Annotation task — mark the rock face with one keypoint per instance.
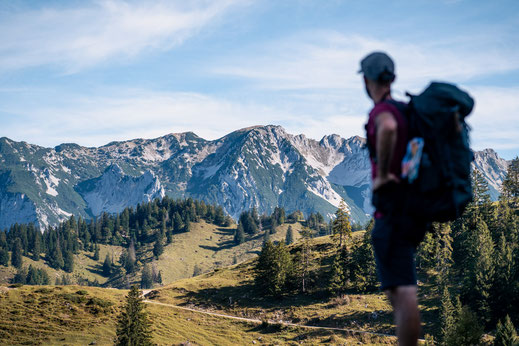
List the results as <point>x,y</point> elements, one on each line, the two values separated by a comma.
<point>16,208</point>
<point>260,167</point>
<point>493,169</point>
<point>113,190</point>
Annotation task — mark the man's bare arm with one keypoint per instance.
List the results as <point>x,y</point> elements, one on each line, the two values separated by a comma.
<point>386,126</point>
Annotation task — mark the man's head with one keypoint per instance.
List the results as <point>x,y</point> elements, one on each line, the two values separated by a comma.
<point>379,72</point>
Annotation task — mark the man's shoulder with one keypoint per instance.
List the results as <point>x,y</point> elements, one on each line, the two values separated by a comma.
<point>390,106</point>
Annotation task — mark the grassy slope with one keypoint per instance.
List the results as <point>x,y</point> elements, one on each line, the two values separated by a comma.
<point>209,247</point>
<point>232,291</point>
<point>74,315</point>
<point>52,317</point>
<point>84,266</point>
<point>59,315</point>
<point>206,245</point>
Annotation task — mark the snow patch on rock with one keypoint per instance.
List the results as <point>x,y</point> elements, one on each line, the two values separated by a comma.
<point>114,190</point>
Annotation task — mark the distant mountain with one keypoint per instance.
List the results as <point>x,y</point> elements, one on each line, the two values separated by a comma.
<point>261,166</point>
<point>493,169</point>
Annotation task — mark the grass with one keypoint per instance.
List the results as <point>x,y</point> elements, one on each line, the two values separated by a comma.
<point>79,315</point>
<point>208,247</point>
<point>232,291</point>
<point>58,315</point>
<point>75,315</point>
<point>84,266</point>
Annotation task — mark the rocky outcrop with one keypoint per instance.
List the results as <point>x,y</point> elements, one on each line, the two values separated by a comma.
<point>114,190</point>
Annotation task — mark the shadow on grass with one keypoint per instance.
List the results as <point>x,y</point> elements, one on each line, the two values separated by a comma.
<point>302,333</point>
<point>222,246</point>
<point>95,269</point>
<point>225,231</point>
<point>244,296</point>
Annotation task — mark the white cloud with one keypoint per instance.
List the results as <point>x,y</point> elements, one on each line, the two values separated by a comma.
<point>330,60</point>
<point>80,37</point>
<point>495,118</point>
<point>318,71</point>
<point>98,120</point>
<point>139,114</point>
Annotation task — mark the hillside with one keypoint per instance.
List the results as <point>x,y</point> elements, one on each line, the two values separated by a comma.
<point>206,246</point>
<point>85,267</point>
<point>74,315</point>
<point>66,314</point>
<point>232,291</point>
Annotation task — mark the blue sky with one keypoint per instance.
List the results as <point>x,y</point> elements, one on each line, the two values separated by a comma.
<point>95,72</point>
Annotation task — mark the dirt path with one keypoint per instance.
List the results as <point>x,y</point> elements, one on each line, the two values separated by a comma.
<point>251,320</point>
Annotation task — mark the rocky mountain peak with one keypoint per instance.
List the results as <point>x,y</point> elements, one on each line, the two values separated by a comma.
<point>258,166</point>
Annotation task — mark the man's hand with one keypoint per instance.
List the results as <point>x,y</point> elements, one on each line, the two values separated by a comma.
<point>383,180</point>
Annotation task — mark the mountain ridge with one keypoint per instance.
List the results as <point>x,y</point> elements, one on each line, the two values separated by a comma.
<point>257,166</point>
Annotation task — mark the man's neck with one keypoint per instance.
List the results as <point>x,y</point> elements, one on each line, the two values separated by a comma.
<point>381,94</point>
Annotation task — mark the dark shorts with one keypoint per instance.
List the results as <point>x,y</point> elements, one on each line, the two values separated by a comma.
<point>394,256</point>
<point>395,237</point>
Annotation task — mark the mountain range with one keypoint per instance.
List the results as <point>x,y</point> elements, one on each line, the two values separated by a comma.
<point>260,166</point>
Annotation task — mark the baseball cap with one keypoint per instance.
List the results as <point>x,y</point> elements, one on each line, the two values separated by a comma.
<point>378,66</point>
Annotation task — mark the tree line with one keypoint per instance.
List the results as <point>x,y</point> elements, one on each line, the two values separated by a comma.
<point>281,270</point>
<point>250,223</point>
<point>148,223</point>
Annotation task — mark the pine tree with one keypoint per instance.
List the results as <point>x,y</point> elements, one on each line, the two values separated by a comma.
<point>32,277</point>
<point>506,335</point>
<point>273,269</point>
<point>339,274</point>
<point>130,259</point>
<point>362,268</point>
<point>56,257</point>
<point>480,189</point>
<point>303,261</point>
<point>146,277</point>
<point>480,273</point>
<point>510,186</point>
<point>16,255</point>
<point>133,327</point>
<point>158,247</point>
<point>426,256</point>
<point>187,224</point>
<point>107,266</point>
<point>467,331</point>
<point>342,225</point>
<point>68,262</point>
<point>21,276</point>
<point>266,236</point>
<point>239,235</point>
<point>502,293</point>
<point>4,257</point>
<point>273,226</point>
<point>96,253</point>
<point>178,223</point>
<point>289,239</point>
<point>447,316</point>
<point>444,262</point>
<point>36,250</point>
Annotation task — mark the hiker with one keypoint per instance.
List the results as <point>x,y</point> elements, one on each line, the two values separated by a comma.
<point>395,234</point>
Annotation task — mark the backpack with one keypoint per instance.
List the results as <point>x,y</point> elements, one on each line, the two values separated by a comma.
<point>442,188</point>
